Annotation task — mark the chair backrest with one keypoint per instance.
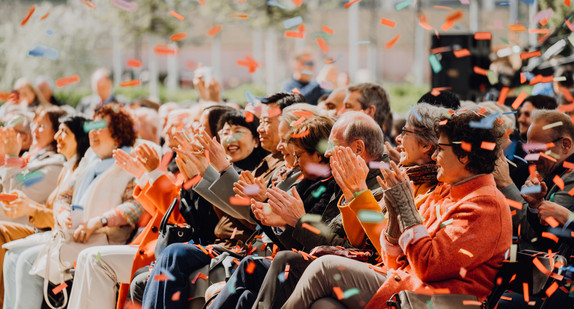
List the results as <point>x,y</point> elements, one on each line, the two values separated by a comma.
<point>502,282</point>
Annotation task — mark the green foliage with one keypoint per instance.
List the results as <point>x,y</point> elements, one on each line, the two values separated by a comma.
<point>403,95</point>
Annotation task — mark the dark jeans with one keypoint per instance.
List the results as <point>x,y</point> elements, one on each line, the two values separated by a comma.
<point>246,285</point>
<point>178,261</point>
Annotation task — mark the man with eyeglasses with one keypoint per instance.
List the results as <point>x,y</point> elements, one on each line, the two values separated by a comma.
<point>302,78</point>
<point>551,136</point>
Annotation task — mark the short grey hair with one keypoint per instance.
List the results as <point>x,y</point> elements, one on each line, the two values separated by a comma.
<point>424,118</point>
<point>359,126</point>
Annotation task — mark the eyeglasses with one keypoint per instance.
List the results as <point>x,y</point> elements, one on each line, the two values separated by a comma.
<point>438,149</point>
<point>549,145</point>
<point>405,130</point>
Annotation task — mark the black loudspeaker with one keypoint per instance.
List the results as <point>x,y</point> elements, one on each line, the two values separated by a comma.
<point>458,73</point>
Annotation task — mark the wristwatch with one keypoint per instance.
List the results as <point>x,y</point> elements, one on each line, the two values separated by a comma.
<point>104,221</point>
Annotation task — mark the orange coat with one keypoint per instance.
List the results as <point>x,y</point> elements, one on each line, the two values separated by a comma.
<point>458,249</point>
<point>155,199</point>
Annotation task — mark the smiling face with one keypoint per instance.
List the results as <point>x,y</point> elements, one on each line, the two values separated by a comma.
<point>285,148</point>
<point>238,141</point>
<point>524,119</point>
<point>42,132</point>
<point>101,141</point>
<point>66,140</point>
<point>412,151</point>
<point>451,169</point>
<point>268,127</point>
<point>303,158</point>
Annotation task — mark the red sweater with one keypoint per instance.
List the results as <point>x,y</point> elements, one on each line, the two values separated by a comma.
<point>466,232</point>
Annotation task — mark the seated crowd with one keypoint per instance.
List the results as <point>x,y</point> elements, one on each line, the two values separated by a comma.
<point>280,204</point>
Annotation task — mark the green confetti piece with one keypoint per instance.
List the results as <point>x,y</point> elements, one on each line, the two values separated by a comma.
<point>571,216</point>
<point>369,216</point>
<point>403,4</point>
<point>317,193</point>
<point>505,41</point>
<point>322,146</point>
<point>350,293</point>
<point>321,35</point>
<point>94,125</point>
<point>446,222</point>
<point>429,304</point>
<point>231,285</point>
<point>98,256</point>
<point>435,64</point>
<point>559,78</point>
<point>492,77</point>
<point>23,177</point>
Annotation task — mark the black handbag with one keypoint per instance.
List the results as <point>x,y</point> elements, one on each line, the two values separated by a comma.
<point>171,233</point>
<point>412,300</point>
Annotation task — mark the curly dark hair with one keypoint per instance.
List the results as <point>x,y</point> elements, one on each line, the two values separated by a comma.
<point>319,128</point>
<point>121,124</point>
<point>457,129</point>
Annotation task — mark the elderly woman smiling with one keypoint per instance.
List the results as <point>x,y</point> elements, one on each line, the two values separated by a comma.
<point>444,244</point>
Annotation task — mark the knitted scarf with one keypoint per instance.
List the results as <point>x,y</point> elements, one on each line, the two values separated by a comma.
<point>425,173</point>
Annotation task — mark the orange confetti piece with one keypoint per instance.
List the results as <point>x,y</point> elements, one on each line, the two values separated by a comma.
<point>392,42</point>
<point>177,37</point>
<point>348,4</point>
<point>466,146</point>
<point>239,201</point>
<point>133,63</point>
<point>161,49</point>
<point>214,30</point>
<point>327,30</point>
<point>323,45</point>
<point>295,90</point>
<point>301,113</point>
<point>248,117</point>
<point>388,22</point>
<point>462,272</point>
<point>567,3</point>
<point>552,222</point>
<point>465,252</point>
<point>487,145</point>
<point>483,36</point>
<point>468,302</point>
<point>59,288</point>
<point>551,289</point>
<point>461,53</point>
<point>447,25</point>
<point>175,296</point>
<point>242,16</point>
<point>64,81</point>
<point>298,122</point>
<point>131,83</point>
<point>201,2</point>
<point>532,54</point>
<point>532,171</point>
<point>503,93</point>
<point>440,7</point>
<point>27,18</point>
<point>443,122</point>
<point>550,236</point>
<point>297,2</point>
<point>559,182</point>
<point>4,96</point>
<point>160,277</point>
<point>514,204</point>
<point>249,63</point>
<point>519,100</point>
<point>7,197</point>
<point>456,15</point>
<point>45,16</point>
<point>300,135</point>
<point>479,71</point>
<point>198,276</point>
<point>250,267</point>
<point>542,154</point>
<point>568,165</point>
<point>506,298</point>
<point>338,292</point>
<point>539,31</point>
<point>423,22</point>
<point>174,14</point>
<point>311,228</point>
<point>517,28</point>
<point>526,291</point>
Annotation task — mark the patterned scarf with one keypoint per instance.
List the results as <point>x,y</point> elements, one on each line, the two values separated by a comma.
<point>425,173</point>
